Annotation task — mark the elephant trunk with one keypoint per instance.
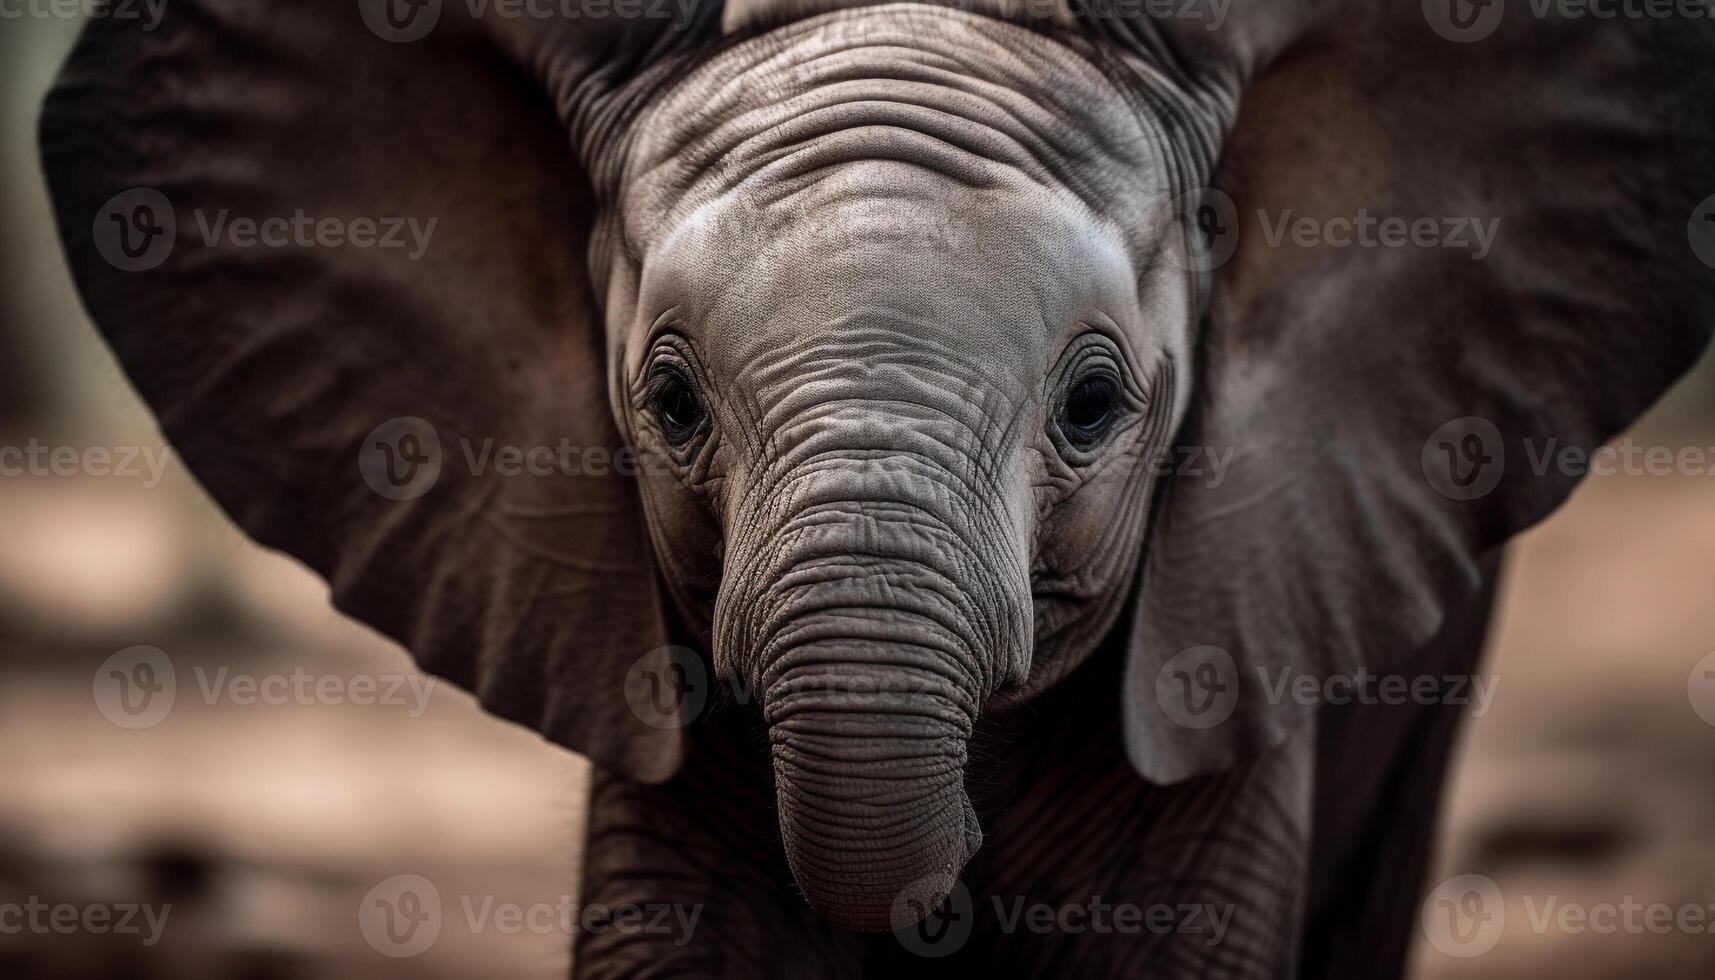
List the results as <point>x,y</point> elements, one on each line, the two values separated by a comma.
<point>874,633</point>
<point>869,772</point>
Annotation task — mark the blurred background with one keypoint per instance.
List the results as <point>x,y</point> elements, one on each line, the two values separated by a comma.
<point>268,826</point>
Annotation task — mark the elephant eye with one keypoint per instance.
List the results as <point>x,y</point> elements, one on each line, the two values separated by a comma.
<point>1089,410</point>
<point>677,407</point>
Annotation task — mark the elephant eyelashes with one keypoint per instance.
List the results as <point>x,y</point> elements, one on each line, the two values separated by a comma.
<point>1089,411</point>
<point>677,407</point>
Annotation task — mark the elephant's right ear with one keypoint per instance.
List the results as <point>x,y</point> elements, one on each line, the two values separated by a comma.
<point>340,250</point>
<point>1469,243</point>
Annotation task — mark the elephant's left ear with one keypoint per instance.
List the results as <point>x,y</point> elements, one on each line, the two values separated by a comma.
<point>1467,244</point>
<point>340,248</point>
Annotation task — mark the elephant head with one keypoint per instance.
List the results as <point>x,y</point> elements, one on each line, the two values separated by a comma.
<point>901,311</point>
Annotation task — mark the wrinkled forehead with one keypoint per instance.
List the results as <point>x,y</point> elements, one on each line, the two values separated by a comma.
<point>979,181</point>
<point>884,249</point>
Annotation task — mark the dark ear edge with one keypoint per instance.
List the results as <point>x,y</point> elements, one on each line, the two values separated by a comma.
<point>281,375</point>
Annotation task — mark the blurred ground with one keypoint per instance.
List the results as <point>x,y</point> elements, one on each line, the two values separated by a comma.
<point>1588,784</point>
<point>269,826</point>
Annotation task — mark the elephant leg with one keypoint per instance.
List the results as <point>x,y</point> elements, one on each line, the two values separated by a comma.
<point>1089,871</point>
<point>1380,774</point>
<point>704,849</point>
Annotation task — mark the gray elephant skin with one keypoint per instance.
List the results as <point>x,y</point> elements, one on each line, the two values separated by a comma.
<point>982,442</point>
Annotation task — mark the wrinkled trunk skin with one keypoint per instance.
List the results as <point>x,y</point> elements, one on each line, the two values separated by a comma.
<point>872,800</point>
<point>874,632</point>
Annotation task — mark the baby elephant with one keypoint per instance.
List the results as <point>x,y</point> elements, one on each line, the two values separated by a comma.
<point>962,473</point>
